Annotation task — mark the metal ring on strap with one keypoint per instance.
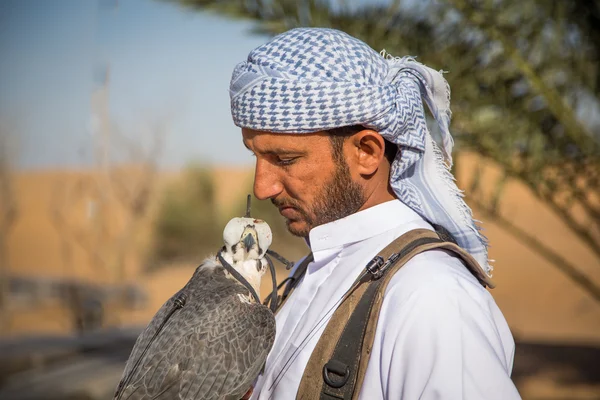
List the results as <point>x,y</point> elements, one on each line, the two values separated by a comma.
<point>338,368</point>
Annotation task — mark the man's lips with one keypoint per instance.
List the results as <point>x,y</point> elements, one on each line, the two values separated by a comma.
<point>288,211</point>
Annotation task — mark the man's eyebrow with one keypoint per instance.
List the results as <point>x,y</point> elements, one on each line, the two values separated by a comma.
<point>281,150</point>
<point>275,150</point>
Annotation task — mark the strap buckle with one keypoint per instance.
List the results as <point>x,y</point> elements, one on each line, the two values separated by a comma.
<point>373,267</point>
<point>377,266</point>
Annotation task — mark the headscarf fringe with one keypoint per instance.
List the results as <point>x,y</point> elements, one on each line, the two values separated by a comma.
<point>457,195</point>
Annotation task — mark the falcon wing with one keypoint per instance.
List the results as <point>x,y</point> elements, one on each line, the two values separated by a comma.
<point>215,357</point>
<point>146,337</point>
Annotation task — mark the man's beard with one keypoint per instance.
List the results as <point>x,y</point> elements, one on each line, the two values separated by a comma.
<point>340,197</point>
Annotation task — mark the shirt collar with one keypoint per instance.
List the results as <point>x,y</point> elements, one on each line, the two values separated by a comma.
<point>360,226</point>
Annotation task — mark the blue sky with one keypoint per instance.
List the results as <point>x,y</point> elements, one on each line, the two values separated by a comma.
<point>167,66</point>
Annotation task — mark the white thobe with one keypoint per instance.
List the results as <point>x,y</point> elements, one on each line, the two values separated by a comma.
<point>440,335</point>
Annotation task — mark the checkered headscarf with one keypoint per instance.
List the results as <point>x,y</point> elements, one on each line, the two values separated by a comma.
<point>314,79</point>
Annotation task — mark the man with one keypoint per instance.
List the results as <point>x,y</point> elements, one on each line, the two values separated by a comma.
<point>343,150</point>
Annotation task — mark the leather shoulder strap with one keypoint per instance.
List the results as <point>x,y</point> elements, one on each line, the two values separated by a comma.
<point>338,363</point>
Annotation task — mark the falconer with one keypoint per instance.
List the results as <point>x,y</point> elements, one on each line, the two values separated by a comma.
<point>343,151</point>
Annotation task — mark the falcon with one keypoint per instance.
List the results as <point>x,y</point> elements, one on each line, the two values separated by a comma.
<point>211,339</point>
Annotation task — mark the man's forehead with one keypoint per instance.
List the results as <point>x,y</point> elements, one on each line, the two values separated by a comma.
<point>254,137</point>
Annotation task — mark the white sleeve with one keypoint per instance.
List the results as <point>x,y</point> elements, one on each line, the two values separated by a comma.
<point>443,340</point>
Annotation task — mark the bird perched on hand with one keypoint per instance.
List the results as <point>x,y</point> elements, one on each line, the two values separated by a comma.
<point>211,339</point>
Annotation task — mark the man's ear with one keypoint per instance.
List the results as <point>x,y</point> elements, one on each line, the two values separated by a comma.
<point>370,151</point>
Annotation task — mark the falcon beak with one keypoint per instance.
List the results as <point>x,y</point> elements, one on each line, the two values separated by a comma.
<point>249,241</point>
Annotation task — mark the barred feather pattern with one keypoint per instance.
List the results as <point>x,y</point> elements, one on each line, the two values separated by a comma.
<point>212,349</point>
<point>313,79</point>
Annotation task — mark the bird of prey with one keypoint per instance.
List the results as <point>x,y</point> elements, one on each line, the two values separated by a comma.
<point>211,339</point>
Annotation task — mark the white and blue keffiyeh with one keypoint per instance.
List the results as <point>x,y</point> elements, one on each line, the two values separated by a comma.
<point>314,79</point>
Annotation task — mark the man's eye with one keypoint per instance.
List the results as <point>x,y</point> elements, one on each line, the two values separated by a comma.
<point>286,161</point>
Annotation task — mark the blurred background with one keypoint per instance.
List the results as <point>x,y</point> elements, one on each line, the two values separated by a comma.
<point>120,165</point>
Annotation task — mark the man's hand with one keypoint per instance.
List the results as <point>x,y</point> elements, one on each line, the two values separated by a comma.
<point>248,393</point>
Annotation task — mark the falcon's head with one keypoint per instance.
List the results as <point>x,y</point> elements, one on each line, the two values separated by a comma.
<point>246,242</point>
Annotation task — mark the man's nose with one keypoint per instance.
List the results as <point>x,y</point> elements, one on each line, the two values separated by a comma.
<point>266,181</point>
